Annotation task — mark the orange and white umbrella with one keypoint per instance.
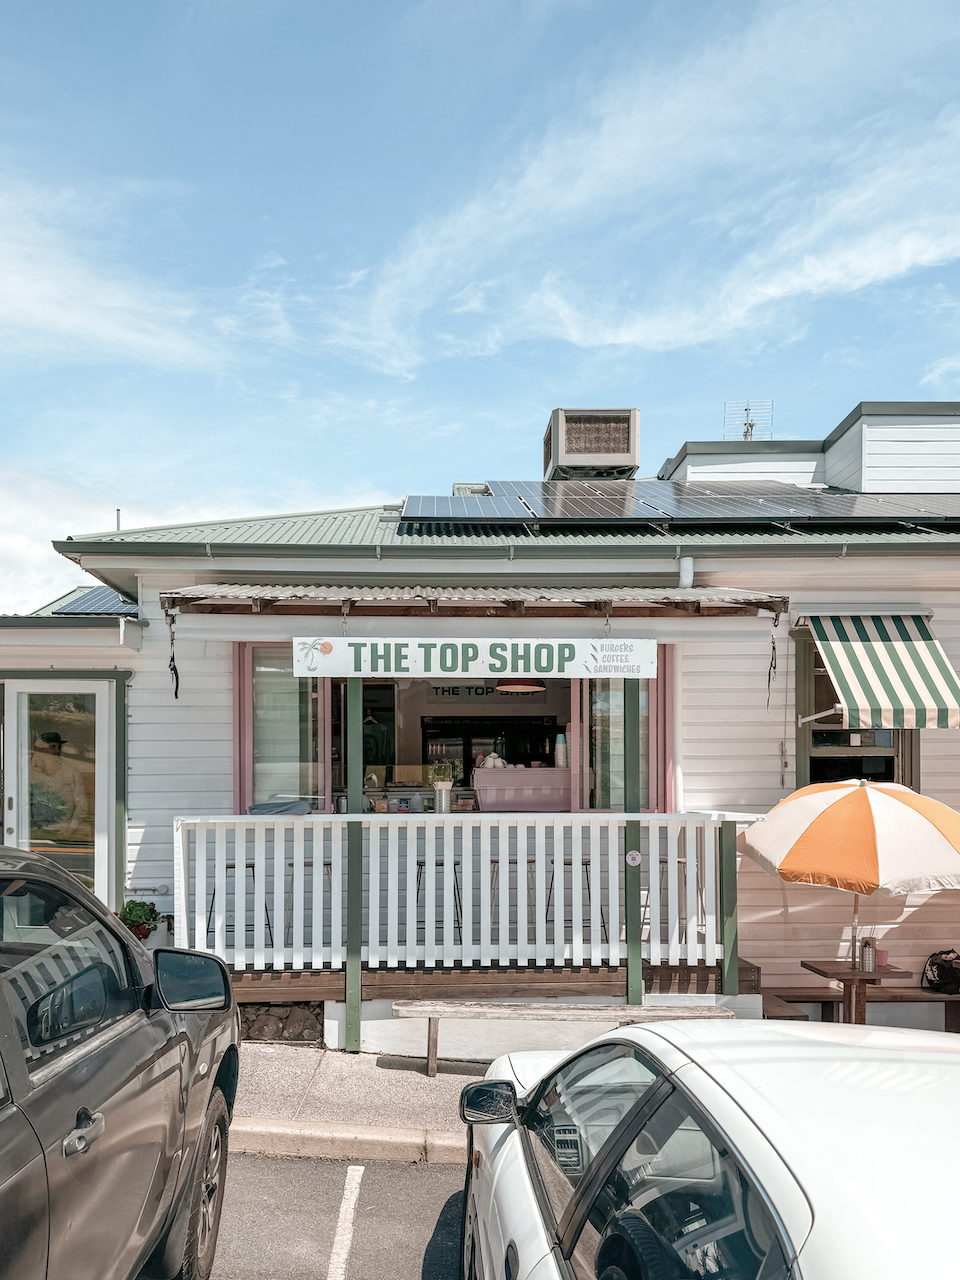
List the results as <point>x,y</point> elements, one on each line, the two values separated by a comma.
<point>865,837</point>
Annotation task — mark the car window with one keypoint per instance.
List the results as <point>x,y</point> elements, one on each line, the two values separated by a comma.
<point>64,973</point>
<point>577,1109</point>
<point>678,1204</point>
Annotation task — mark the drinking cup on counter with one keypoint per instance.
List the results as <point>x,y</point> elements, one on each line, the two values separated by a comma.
<point>883,957</point>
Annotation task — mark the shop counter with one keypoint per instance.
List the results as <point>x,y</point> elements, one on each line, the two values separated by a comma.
<point>522,790</point>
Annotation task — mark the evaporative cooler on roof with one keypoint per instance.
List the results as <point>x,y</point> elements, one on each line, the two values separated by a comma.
<point>602,444</point>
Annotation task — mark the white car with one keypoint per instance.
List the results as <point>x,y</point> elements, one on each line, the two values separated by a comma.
<point>741,1150</point>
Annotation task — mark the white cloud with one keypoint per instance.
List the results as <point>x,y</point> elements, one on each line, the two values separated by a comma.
<point>63,297</point>
<point>37,511</point>
<point>689,199</point>
<point>68,295</point>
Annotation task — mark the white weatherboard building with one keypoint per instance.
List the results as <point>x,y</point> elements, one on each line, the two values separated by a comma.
<point>164,740</point>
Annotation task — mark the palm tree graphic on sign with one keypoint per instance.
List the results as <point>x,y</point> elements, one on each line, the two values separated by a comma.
<point>309,649</point>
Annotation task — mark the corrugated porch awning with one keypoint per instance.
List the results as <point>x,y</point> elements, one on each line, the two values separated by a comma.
<point>713,597</point>
<point>889,671</point>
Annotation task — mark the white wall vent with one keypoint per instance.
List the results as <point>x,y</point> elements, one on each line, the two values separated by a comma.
<point>592,443</point>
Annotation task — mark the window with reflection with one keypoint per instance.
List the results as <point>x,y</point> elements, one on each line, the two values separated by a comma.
<point>59,734</point>
<point>678,1205</point>
<point>578,1109</point>
<point>64,973</point>
<point>605,736</point>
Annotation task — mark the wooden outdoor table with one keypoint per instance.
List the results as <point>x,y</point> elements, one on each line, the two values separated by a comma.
<point>854,982</point>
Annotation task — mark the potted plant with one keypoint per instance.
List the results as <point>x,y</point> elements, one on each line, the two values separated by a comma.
<point>141,918</point>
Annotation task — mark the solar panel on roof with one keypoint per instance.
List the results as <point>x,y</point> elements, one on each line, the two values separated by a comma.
<point>466,508</point>
<point>629,501</point>
<point>99,600</point>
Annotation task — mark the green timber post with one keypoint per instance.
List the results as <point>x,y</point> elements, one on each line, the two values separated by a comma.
<point>805,663</point>
<point>354,860</point>
<point>730,975</point>
<point>633,924</point>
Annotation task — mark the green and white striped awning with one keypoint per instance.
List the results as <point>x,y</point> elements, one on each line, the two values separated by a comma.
<point>889,672</point>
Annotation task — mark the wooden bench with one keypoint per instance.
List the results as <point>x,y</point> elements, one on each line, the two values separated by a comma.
<point>830,998</point>
<point>622,1014</point>
<point>774,1007</point>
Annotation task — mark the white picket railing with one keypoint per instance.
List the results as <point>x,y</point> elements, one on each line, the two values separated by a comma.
<point>441,891</point>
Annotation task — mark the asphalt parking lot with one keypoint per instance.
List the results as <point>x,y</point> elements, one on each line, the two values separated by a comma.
<point>298,1219</point>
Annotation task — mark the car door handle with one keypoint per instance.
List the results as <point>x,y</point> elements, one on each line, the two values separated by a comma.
<point>89,1128</point>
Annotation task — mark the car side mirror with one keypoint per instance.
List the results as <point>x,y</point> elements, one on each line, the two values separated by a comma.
<point>488,1102</point>
<point>80,1002</point>
<point>191,981</point>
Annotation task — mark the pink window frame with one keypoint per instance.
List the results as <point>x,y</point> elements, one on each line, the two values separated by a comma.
<point>661,770</point>
<point>243,725</point>
<point>661,777</point>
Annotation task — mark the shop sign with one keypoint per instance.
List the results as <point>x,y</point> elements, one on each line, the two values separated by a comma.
<point>341,656</point>
<point>485,694</point>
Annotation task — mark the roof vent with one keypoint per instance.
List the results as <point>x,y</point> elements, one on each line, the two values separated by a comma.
<point>582,444</point>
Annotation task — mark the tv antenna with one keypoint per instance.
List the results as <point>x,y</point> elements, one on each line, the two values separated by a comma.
<point>748,420</point>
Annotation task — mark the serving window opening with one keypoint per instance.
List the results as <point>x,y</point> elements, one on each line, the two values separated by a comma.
<point>556,745</point>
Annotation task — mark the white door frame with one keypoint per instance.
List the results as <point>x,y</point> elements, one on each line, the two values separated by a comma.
<point>17,813</point>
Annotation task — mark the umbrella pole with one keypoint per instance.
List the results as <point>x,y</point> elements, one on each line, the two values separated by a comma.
<point>853,931</point>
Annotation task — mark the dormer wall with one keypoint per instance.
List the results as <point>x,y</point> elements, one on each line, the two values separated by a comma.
<point>897,451</point>
<point>880,447</point>
<point>802,465</point>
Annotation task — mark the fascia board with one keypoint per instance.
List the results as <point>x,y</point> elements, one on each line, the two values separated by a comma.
<point>82,632</point>
<point>104,622</point>
<point>99,641</point>
<point>268,627</point>
<point>341,560</point>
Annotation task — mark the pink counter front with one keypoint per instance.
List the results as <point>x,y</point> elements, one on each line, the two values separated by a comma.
<point>522,790</point>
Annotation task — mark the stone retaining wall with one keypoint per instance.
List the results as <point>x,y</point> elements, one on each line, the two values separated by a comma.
<point>294,1023</point>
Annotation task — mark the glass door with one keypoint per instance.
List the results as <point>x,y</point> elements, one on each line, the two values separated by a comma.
<point>57,748</point>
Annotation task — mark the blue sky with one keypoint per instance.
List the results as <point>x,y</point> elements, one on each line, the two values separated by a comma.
<point>285,254</point>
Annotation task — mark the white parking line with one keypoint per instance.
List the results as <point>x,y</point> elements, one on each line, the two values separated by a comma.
<point>343,1237</point>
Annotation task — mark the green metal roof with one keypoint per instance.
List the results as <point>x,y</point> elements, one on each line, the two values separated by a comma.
<point>304,528</point>
<point>376,532</point>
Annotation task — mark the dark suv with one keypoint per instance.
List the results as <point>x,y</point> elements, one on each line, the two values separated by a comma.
<point>118,1072</point>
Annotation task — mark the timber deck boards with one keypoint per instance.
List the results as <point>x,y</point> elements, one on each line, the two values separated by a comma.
<point>501,983</point>
<point>620,1013</point>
